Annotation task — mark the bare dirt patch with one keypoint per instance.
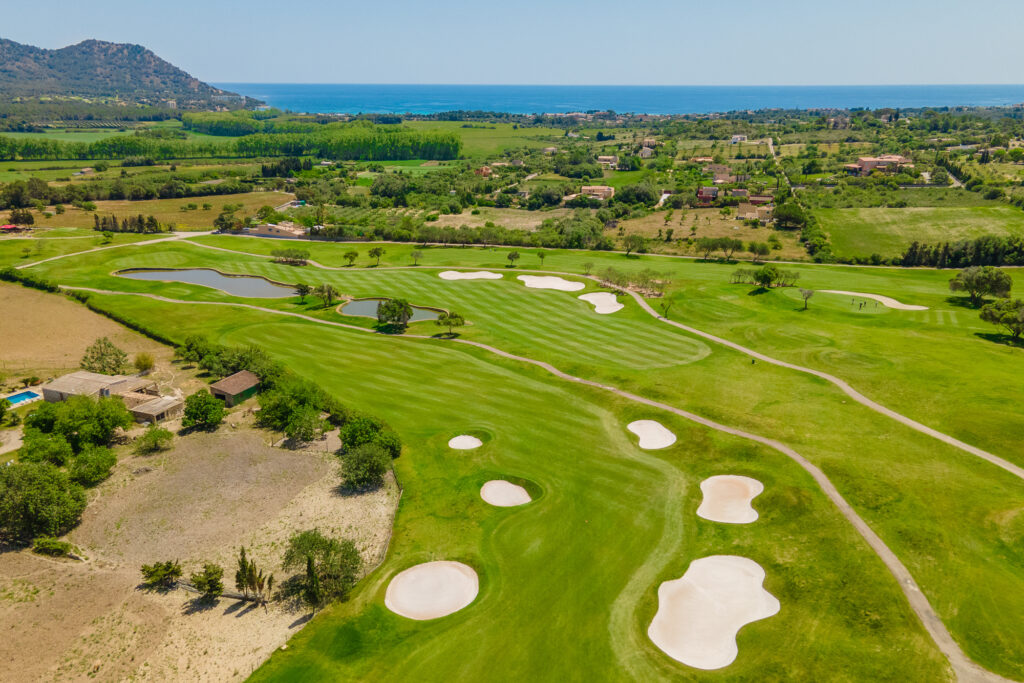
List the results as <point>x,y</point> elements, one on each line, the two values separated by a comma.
<point>515,219</point>
<point>709,223</point>
<point>198,502</point>
<point>46,334</point>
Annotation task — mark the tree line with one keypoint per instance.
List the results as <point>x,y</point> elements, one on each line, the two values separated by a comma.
<point>136,224</point>
<point>988,250</point>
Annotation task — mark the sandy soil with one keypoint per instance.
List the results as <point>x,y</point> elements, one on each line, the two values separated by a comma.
<point>700,614</point>
<point>504,494</point>
<point>886,301</point>
<point>42,344</point>
<point>432,590</point>
<point>727,499</point>
<point>198,502</point>
<point>652,434</point>
<point>515,219</point>
<point>604,302</point>
<point>551,282</point>
<point>464,442</point>
<point>476,275</point>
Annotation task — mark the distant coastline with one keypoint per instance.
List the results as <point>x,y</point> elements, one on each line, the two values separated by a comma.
<point>537,99</point>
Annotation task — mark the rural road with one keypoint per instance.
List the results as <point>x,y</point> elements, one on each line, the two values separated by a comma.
<point>964,668</point>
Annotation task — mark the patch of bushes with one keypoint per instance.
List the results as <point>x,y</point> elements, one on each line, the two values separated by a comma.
<point>161,574</point>
<point>37,499</point>
<point>11,274</point>
<point>48,545</point>
<point>364,467</point>
<point>153,440</point>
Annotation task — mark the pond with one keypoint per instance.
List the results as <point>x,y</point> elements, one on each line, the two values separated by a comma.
<point>367,308</point>
<point>249,286</point>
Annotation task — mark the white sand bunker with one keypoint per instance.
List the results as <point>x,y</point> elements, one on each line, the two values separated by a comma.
<point>432,590</point>
<point>464,442</point>
<point>700,614</point>
<point>604,302</point>
<point>652,434</point>
<point>551,282</point>
<point>476,275</point>
<point>886,301</point>
<point>727,499</point>
<point>504,494</point>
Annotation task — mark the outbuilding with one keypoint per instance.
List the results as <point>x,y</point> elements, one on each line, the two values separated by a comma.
<point>236,388</point>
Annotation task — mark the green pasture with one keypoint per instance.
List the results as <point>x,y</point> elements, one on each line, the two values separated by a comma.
<point>492,139</point>
<point>568,583</point>
<point>888,231</point>
<point>953,519</point>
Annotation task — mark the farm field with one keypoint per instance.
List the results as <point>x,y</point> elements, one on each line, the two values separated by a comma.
<point>492,139</point>
<point>168,211</point>
<point>518,219</point>
<point>708,223</point>
<point>889,231</point>
<point>946,514</point>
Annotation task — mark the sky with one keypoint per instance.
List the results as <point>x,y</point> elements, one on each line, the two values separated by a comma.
<point>563,42</point>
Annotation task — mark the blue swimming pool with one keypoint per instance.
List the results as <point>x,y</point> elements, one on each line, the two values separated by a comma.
<point>21,397</point>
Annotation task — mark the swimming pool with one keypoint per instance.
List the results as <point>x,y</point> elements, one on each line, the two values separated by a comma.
<point>21,397</point>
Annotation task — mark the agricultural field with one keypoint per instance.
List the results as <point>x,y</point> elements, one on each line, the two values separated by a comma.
<point>517,219</point>
<point>168,211</point>
<point>889,231</point>
<point>947,515</point>
<point>493,138</point>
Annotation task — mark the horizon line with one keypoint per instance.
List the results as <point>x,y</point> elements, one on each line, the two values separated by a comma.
<point>633,85</point>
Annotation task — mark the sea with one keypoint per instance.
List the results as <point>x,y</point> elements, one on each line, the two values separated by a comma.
<point>640,99</point>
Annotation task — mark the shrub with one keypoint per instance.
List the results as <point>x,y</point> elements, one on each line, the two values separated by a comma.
<point>364,467</point>
<point>360,430</point>
<point>144,362</point>
<point>37,499</point>
<point>389,441</point>
<point>161,574</point>
<point>40,447</point>
<point>202,411</point>
<point>92,465</point>
<point>48,545</point>
<point>154,439</point>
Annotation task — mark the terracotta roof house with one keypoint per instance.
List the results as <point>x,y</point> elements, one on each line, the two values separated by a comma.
<point>484,171</point>
<point>865,165</point>
<point>707,193</point>
<point>140,394</point>
<point>236,388</point>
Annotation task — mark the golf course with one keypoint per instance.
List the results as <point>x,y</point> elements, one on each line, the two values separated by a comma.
<point>874,427</point>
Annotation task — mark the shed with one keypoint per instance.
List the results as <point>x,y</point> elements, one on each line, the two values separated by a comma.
<point>158,409</point>
<point>236,388</point>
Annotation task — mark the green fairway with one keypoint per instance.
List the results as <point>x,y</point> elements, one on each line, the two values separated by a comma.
<point>888,231</point>
<point>571,614</point>
<point>951,518</point>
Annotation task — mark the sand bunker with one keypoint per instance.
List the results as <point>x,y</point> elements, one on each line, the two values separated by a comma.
<point>504,494</point>
<point>476,275</point>
<point>604,302</point>
<point>700,614</point>
<point>886,301</point>
<point>464,442</point>
<point>652,434</point>
<point>432,590</point>
<point>551,282</point>
<point>727,499</point>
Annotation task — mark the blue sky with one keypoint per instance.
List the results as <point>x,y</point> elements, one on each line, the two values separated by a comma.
<point>595,42</point>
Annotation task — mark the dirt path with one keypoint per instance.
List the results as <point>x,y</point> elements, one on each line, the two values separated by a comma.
<point>964,668</point>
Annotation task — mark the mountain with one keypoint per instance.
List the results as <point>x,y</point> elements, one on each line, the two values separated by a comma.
<point>94,68</point>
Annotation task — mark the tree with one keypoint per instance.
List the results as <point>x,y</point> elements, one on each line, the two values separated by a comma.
<point>730,245</point>
<point>103,357</point>
<point>37,499</point>
<point>979,281</point>
<point>766,276</point>
<point>40,447</point>
<point>351,255</point>
<point>633,242</point>
<point>305,424</point>
<point>706,245</point>
<point>359,430</point>
<point>144,363</point>
<point>512,257</point>
<point>806,294</point>
<point>209,582</point>
<point>364,467</point>
<point>541,255</point>
<point>22,217</point>
<point>1005,313</point>
<point>789,216</point>
<point>451,320</point>
<point>394,312</point>
<point>327,293</point>
<point>250,579</point>
<point>416,255</point>
<point>92,465</point>
<point>154,439</point>
<point>588,267</point>
<point>334,564</point>
<point>376,253</point>
<point>202,411</point>
<point>758,249</point>
<point>81,420</point>
<point>312,592</point>
<point>303,290</point>
<point>161,574</point>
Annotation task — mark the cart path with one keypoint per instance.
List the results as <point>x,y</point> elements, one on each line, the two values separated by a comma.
<point>964,668</point>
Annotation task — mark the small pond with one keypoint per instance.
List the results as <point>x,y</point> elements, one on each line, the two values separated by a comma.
<point>248,286</point>
<point>368,308</point>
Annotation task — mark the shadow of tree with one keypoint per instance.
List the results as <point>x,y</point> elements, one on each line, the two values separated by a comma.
<point>962,302</point>
<point>1001,338</point>
<point>199,604</point>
